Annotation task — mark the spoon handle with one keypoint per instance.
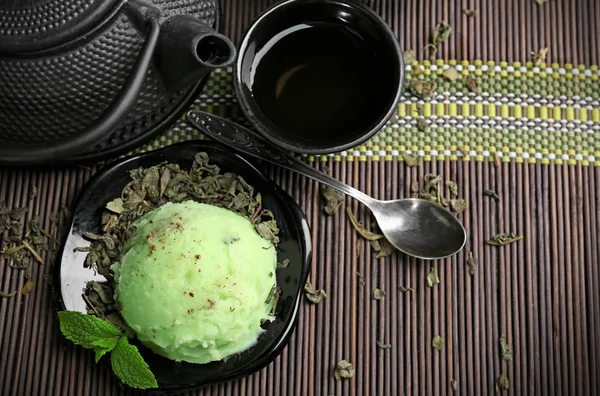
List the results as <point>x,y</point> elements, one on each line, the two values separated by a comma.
<point>248,142</point>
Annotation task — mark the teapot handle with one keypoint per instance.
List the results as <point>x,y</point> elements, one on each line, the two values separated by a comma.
<point>116,111</point>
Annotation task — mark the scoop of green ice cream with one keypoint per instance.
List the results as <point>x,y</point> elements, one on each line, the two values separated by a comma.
<point>193,281</point>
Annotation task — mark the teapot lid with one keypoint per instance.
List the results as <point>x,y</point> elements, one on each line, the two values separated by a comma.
<point>30,25</point>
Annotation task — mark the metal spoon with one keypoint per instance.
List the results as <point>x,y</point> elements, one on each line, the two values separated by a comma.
<point>417,227</point>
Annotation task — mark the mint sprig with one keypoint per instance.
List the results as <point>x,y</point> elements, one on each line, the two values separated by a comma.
<point>92,332</point>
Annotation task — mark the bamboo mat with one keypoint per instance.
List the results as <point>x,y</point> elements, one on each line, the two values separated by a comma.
<point>541,293</point>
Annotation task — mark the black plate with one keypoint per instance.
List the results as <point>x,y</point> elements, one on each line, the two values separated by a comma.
<point>295,245</point>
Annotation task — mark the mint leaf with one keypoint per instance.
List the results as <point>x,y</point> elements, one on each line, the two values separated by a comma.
<point>87,330</point>
<point>130,367</point>
<point>104,345</point>
<point>100,351</point>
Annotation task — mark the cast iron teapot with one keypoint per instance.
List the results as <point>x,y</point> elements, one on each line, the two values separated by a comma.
<point>72,72</point>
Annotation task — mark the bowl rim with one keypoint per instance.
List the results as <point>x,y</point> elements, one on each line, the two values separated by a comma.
<point>299,221</point>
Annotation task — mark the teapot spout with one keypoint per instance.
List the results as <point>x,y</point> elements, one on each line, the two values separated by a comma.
<point>188,50</point>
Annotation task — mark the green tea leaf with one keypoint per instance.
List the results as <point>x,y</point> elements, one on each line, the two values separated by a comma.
<point>371,236</point>
<point>381,345</point>
<point>378,294</point>
<point>33,192</point>
<point>502,383</point>
<point>313,295</point>
<point>116,206</point>
<point>7,295</point>
<point>454,384</point>
<point>422,89</point>
<point>343,369</point>
<point>438,342</point>
<point>505,351</point>
<point>452,186</point>
<point>459,205</point>
<point>451,74</point>
<point>412,159</point>
<point>28,287</point>
<point>504,239</point>
<point>86,330</point>
<point>383,247</point>
<point>472,85</point>
<point>432,278</point>
<point>409,57</point>
<point>472,263</point>
<point>333,199</point>
<point>130,367</point>
<point>441,33</point>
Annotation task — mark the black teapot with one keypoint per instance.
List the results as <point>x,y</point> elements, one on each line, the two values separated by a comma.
<point>79,74</point>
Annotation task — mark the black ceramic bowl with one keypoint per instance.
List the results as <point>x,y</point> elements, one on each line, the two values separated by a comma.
<point>295,245</point>
<point>318,76</point>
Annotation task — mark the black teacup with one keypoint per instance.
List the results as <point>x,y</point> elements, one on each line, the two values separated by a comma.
<point>319,76</point>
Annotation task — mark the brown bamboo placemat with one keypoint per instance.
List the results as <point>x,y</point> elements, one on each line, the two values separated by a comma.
<point>542,293</point>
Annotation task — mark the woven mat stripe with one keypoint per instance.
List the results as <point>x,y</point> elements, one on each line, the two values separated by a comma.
<point>540,293</point>
<point>517,114</point>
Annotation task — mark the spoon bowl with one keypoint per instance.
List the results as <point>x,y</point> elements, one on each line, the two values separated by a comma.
<point>417,227</point>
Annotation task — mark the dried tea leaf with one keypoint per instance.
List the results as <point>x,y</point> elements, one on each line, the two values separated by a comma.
<point>505,351</point>
<point>116,205</point>
<point>504,239</point>
<point>502,383</point>
<point>459,205</point>
<point>283,264</point>
<point>27,287</point>
<point>378,294</point>
<point>438,342</point>
<point>441,33</point>
<point>491,193</point>
<point>7,295</point>
<point>471,84</point>
<point>409,57</point>
<point>451,74</point>
<point>314,296</point>
<point>333,200</point>
<point>422,124</point>
<point>371,236</point>
<point>404,289</point>
<point>383,247</point>
<point>33,252</point>
<point>361,279</point>
<point>11,251</point>
<point>414,187</point>
<point>452,186</point>
<point>540,2</point>
<point>343,369</point>
<point>469,12</point>
<point>432,278</point>
<point>454,384</point>
<point>381,345</point>
<point>540,56</point>
<point>472,263</point>
<point>422,89</point>
<point>412,159</point>
<point>33,192</point>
